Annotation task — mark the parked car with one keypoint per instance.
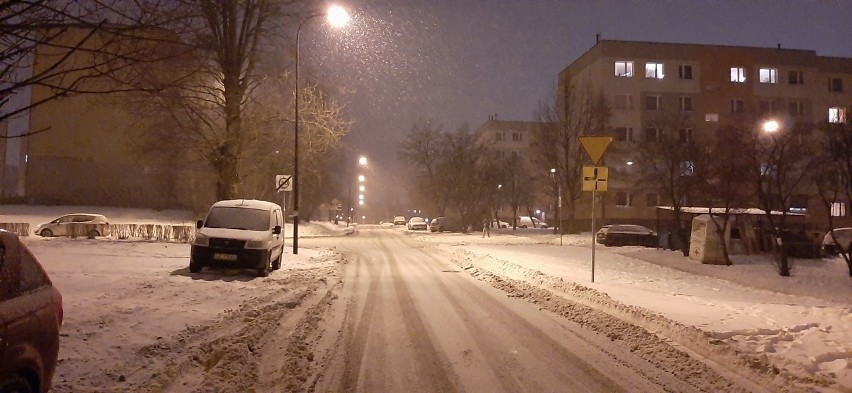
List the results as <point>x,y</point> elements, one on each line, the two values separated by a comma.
<point>499,224</point>
<point>445,224</point>
<point>417,224</point>
<point>399,220</point>
<point>435,224</point>
<point>77,224</point>
<point>30,316</point>
<point>239,233</point>
<point>626,235</point>
<point>844,239</point>
<point>799,245</point>
<point>530,222</point>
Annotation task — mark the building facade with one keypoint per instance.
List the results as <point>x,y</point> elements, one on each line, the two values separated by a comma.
<point>706,86</point>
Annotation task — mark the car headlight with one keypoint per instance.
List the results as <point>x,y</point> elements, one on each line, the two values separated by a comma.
<point>256,244</point>
<point>201,240</point>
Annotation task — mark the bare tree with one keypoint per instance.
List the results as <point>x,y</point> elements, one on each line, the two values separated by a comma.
<point>833,177</point>
<point>672,163</point>
<point>421,153</point>
<point>83,47</point>
<point>780,161</point>
<point>724,190</point>
<point>578,111</point>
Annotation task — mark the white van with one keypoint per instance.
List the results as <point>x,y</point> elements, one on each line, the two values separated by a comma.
<point>239,233</point>
<point>530,222</point>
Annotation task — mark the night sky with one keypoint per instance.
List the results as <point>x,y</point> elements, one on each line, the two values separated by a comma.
<point>458,62</point>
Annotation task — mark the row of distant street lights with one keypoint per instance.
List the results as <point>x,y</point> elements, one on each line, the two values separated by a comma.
<point>362,188</point>
<point>337,17</point>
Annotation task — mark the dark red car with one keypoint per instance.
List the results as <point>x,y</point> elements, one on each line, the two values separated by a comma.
<point>30,316</point>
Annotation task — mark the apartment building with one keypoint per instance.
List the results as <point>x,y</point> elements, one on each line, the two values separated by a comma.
<point>706,86</point>
<point>507,140</point>
<point>86,149</point>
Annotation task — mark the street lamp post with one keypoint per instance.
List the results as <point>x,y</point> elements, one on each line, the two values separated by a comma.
<point>558,225</point>
<point>338,17</point>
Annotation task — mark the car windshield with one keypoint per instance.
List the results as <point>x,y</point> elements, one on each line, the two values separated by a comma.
<point>238,218</point>
<point>417,220</point>
<point>630,228</point>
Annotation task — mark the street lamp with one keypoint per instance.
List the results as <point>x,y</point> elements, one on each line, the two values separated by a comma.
<point>771,126</point>
<point>337,17</point>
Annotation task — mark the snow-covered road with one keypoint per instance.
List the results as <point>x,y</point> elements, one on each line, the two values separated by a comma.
<point>137,320</point>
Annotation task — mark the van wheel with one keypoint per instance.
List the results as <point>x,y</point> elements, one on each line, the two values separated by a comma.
<point>93,234</point>
<point>263,271</point>
<point>16,384</point>
<point>46,233</point>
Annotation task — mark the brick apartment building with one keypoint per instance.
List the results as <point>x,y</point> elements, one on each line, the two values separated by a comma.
<point>707,84</point>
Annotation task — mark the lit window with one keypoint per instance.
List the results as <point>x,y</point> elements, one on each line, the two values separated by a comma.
<point>711,117</point>
<point>738,75</point>
<point>687,168</point>
<point>652,134</point>
<point>737,106</point>
<point>768,170</point>
<point>624,68</point>
<point>835,84</point>
<point>769,75</point>
<point>796,78</point>
<point>837,115</point>
<point>797,108</point>
<point>686,103</point>
<point>653,103</point>
<point>654,70</point>
<point>685,135</point>
<point>624,134</point>
<point>685,71</point>
<point>623,101</point>
<point>838,209</point>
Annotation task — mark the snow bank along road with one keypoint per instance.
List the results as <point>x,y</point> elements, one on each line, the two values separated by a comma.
<point>382,313</point>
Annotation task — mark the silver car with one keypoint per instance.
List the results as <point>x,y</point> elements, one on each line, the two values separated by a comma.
<point>844,240</point>
<point>77,224</point>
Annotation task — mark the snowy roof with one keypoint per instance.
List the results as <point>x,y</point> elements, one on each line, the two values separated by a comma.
<point>721,210</point>
<point>247,203</point>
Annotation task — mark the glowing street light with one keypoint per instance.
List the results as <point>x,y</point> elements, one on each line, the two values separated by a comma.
<point>771,126</point>
<point>337,17</point>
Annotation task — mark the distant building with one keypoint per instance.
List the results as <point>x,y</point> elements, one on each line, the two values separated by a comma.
<point>707,84</point>
<point>85,149</point>
<point>507,140</point>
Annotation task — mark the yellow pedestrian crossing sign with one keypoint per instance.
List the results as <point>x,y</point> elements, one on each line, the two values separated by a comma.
<point>595,178</point>
<point>595,146</point>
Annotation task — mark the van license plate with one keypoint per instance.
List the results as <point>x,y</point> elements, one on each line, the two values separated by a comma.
<point>225,257</point>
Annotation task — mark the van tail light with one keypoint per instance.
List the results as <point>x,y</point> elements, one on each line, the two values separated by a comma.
<point>57,306</point>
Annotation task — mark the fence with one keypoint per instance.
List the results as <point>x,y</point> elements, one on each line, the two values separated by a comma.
<point>151,232</point>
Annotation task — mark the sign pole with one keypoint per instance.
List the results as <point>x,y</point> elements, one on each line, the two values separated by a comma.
<point>594,195</point>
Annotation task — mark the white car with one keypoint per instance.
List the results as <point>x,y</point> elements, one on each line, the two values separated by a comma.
<point>844,238</point>
<point>399,220</point>
<point>239,233</point>
<point>417,224</point>
<point>77,224</point>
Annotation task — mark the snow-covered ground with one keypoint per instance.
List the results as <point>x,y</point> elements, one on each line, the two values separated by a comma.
<point>800,325</point>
